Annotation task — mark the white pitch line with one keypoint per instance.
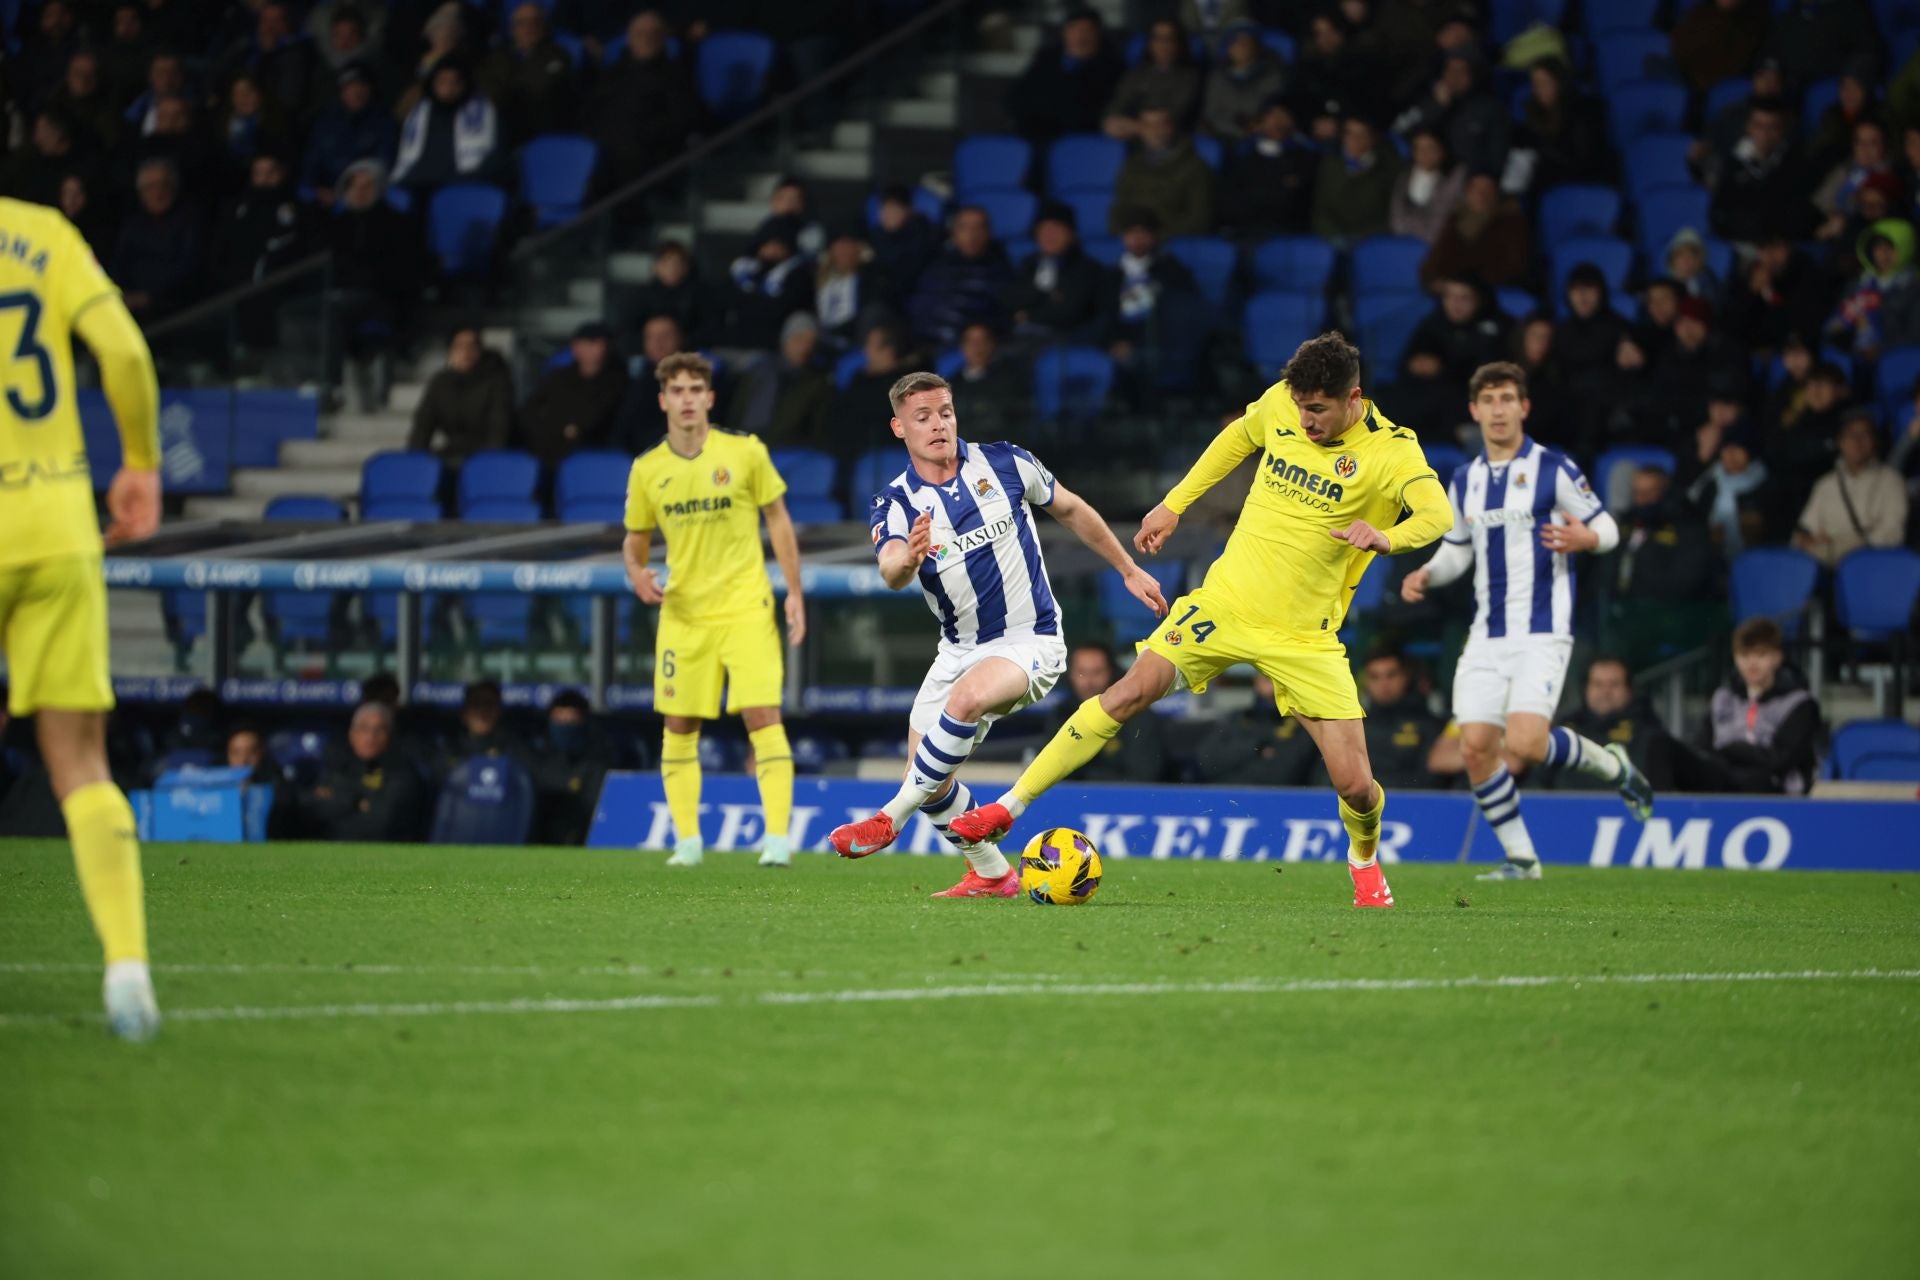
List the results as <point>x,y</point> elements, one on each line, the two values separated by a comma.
<point>1250,986</point>
<point>345,969</point>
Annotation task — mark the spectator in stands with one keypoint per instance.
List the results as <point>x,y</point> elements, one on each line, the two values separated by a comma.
<point>451,135</point>
<point>530,78</point>
<point>1862,502</point>
<point>1869,158</point>
<point>1659,310</point>
<point>1686,262</point>
<point>1400,728</point>
<point>1717,40</point>
<point>1246,77</point>
<point>1711,153</point>
<point>275,57</point>
<point>786,400</point>
<point>44,55</point>
<point>770,284</point>
<point>1462,332</point>
<point>250,123</point>
<point>1882,308</point>
<point>568,770</point>
<point>1732,495</point>
<point>1151,285</point>
<point>83,100</point>
<point>87,215</point>
<point>1059,292</point>
<point>1763,727</point>
<point>483,732</point>
<point>677,291</point>
<point>1551,421</point>
<point>1798,430</point>
<point>1699,363</point>
<point>1486,237</point>
<point>1815,40</point>
<point>1164,78</point>
<point>1209,20</point>
<point>124,58</point>
<point>376,271</point>
<point>644,105</point>
<point>1561,130</point>
<point>199,729</point>
<point>34,174</point>
<point>1354,189</point>
<point>1595,348</point>
<point>641,421</point>
<point>903,243</point>
<point>1425,193</point>
<point>1610,712</point>
<point>1780,294</point>
<point>264,228</point>
<point>1268,186</point>
<point>444,37</point>
<point>343,40</point>
<point>1662,579</point>
<point>573,406</point>
<point>1331,78</point>
<point>1762,189</point>
<point>858,416</point>
<point>1069,81</point>
<point>157,259</point>
<point>965,282</point>
<point>790,212</point>
<point>166,77</point>
<point>1165,175</point>
<point>991,389</point>
<point>354,128</point>
<point>177,139</point>
<point>372,793</point>
<point>467,406</point>
<point>848,295</point>
<point>1461,108</point>
<point>247,749</point>
<point>1257,746</point>
<point>1138,752</point>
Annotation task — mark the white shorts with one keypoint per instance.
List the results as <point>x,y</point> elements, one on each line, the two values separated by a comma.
<point>1497,677</point>
<point>1043,658</point>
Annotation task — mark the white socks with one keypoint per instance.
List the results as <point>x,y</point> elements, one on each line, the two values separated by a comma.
<point>1565,747</point>
<point>985,859</point>
<point>943,748</point>
<point>1499,801</point>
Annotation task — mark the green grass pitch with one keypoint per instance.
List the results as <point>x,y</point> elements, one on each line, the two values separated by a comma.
<point>516,1062</point>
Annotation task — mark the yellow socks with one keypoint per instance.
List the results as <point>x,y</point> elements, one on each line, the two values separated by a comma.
<point>106,852</point>
<point>773,766</point>
<point>680,778</point>
<point>1080,739</point>
<point>1363,829</point>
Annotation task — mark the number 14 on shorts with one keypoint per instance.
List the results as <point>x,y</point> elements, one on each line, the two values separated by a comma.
<point>1200,629</point>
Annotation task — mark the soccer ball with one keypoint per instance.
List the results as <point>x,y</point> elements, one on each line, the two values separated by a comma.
<point>1060,868</point>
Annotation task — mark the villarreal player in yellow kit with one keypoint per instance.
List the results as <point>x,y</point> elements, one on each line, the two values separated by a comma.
<point>53,599</point>
<point>706,490</point>
<point>1334,478</point>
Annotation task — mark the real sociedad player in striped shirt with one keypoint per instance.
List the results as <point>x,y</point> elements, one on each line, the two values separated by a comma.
<point>1520,510</point>
<point>959,520</point>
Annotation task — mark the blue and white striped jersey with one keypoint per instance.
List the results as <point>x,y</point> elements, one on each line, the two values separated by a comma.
<point>1520,587</point>
<point>984,578</point>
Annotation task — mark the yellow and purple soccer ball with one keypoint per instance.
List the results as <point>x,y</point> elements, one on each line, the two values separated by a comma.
<point>1060,868</point>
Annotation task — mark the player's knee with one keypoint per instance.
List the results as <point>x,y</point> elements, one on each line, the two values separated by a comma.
<point>967,705</point>
<point>1529,745</point>
<point>1355,786</point>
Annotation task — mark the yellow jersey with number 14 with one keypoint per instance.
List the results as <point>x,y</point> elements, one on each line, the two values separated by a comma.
<point>48,277</point>
<point>1282,567</point>
<point>708,508</point>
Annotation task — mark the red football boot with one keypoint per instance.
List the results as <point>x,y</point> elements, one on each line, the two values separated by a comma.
<point>1370,885</point>
<point>858,839</point>
<point>985,825</point>
<point>973,885</point>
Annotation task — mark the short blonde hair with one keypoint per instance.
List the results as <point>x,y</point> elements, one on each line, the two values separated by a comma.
<point>913,384</point>
<point>689,362</point>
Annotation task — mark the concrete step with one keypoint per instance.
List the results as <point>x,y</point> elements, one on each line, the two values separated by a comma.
<point>999,66</point>
<point>264,482</point>
<point>587,291</point>
<point>738,216</point>
<point>135,614</point>
<point>547,322</point>
<point>225,508</point>
<point>333,454</point>
<point>845,166</point>
<point>404,397</point>
<point>852,135</point>
<point>630,268</point>
<point>386,430</point>
<point>938,84</point>
<point>920,113</point>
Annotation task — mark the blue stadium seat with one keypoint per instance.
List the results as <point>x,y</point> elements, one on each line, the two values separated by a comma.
<point>1640,107</point>
<point>304,506</point>
<point>1874,589</point>
<point>848,367</point>
<point>485,800</point>
<point>1445,459</point>
<point>1664,212</point>
<point>501,511</point>
<point>1622,56</point>
<point>184,614</point>
<point>1084,161</point>
<point>1071,383</point>
<point>1856,740</point>
<point>1578,209</point>
<point>1130,619</point>
<point>873,471</point>
<point>1295,263</point>
<point>1275,323</point>
<point>1656,160</point>
<point>1613,470</point>
<point>1009,212</point>
<point>812,752</point>
<point>298,754</point>
<point>572,44</point>
<point>1090,209</point>
<point>1620,15</point>
<point>809,473</point>
<point>592,475</point>
<point>1773,582</point>
<point>816,510</point>
<point>463,223</point>
<point>730,71</point>
<point>990,161</point>
<point>1102,248</point>
<point>498,619</point>
<point>1776,370</point>
<point>1387,264</point>
<point>1613,257</point>
<point>721,755</point>
<point>928,203</point>
<point>593,510</point>
<point>555,170</point>
<point>1899,368</point>
<point>1212,261</point>
<point>1020,248</point>
<point>1517,303</point>
<point>1719,258</point>
<point>382,608</point>
<point>1730,92</point>
<point>949,363</point>
<point>1820,95</point>
<point>1279,44</point>
<point>1209,150</point>
<point>496,475</point>
<point>1884,766</point>
<point>399,476</point>
<point>1386,321</point>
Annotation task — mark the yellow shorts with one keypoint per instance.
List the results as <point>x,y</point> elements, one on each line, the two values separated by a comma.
<point>53,629</point>
<point>1202,636</point>
<point>693,660</point>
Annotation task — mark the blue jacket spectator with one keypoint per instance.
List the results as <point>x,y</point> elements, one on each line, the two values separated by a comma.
<point>1069,83</point>
<point>964,283</point>
<point>903,243</point>
<point>355,128</point>
<point>156,261</point>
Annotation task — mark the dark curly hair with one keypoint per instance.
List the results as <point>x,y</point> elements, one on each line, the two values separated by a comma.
<point>1328,364</point>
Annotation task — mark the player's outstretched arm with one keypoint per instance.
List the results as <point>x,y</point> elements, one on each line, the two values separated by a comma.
<point>1075,512</point>
<point>635,550</point>
<point>133,393</point>
<point>1234,443</point>
<point>900,561</point>
<point>786,550</point>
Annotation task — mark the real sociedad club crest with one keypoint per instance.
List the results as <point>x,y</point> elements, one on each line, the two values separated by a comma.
<point>983,487</point>
<point>1344,466</point>
<point>722,477</point>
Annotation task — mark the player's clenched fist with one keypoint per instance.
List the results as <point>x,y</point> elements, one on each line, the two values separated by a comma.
<point>1362,535</point>
<point>920,537</point>
<point>646,585</point>
<point>1155,529</point>
<point>1413,587</point>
